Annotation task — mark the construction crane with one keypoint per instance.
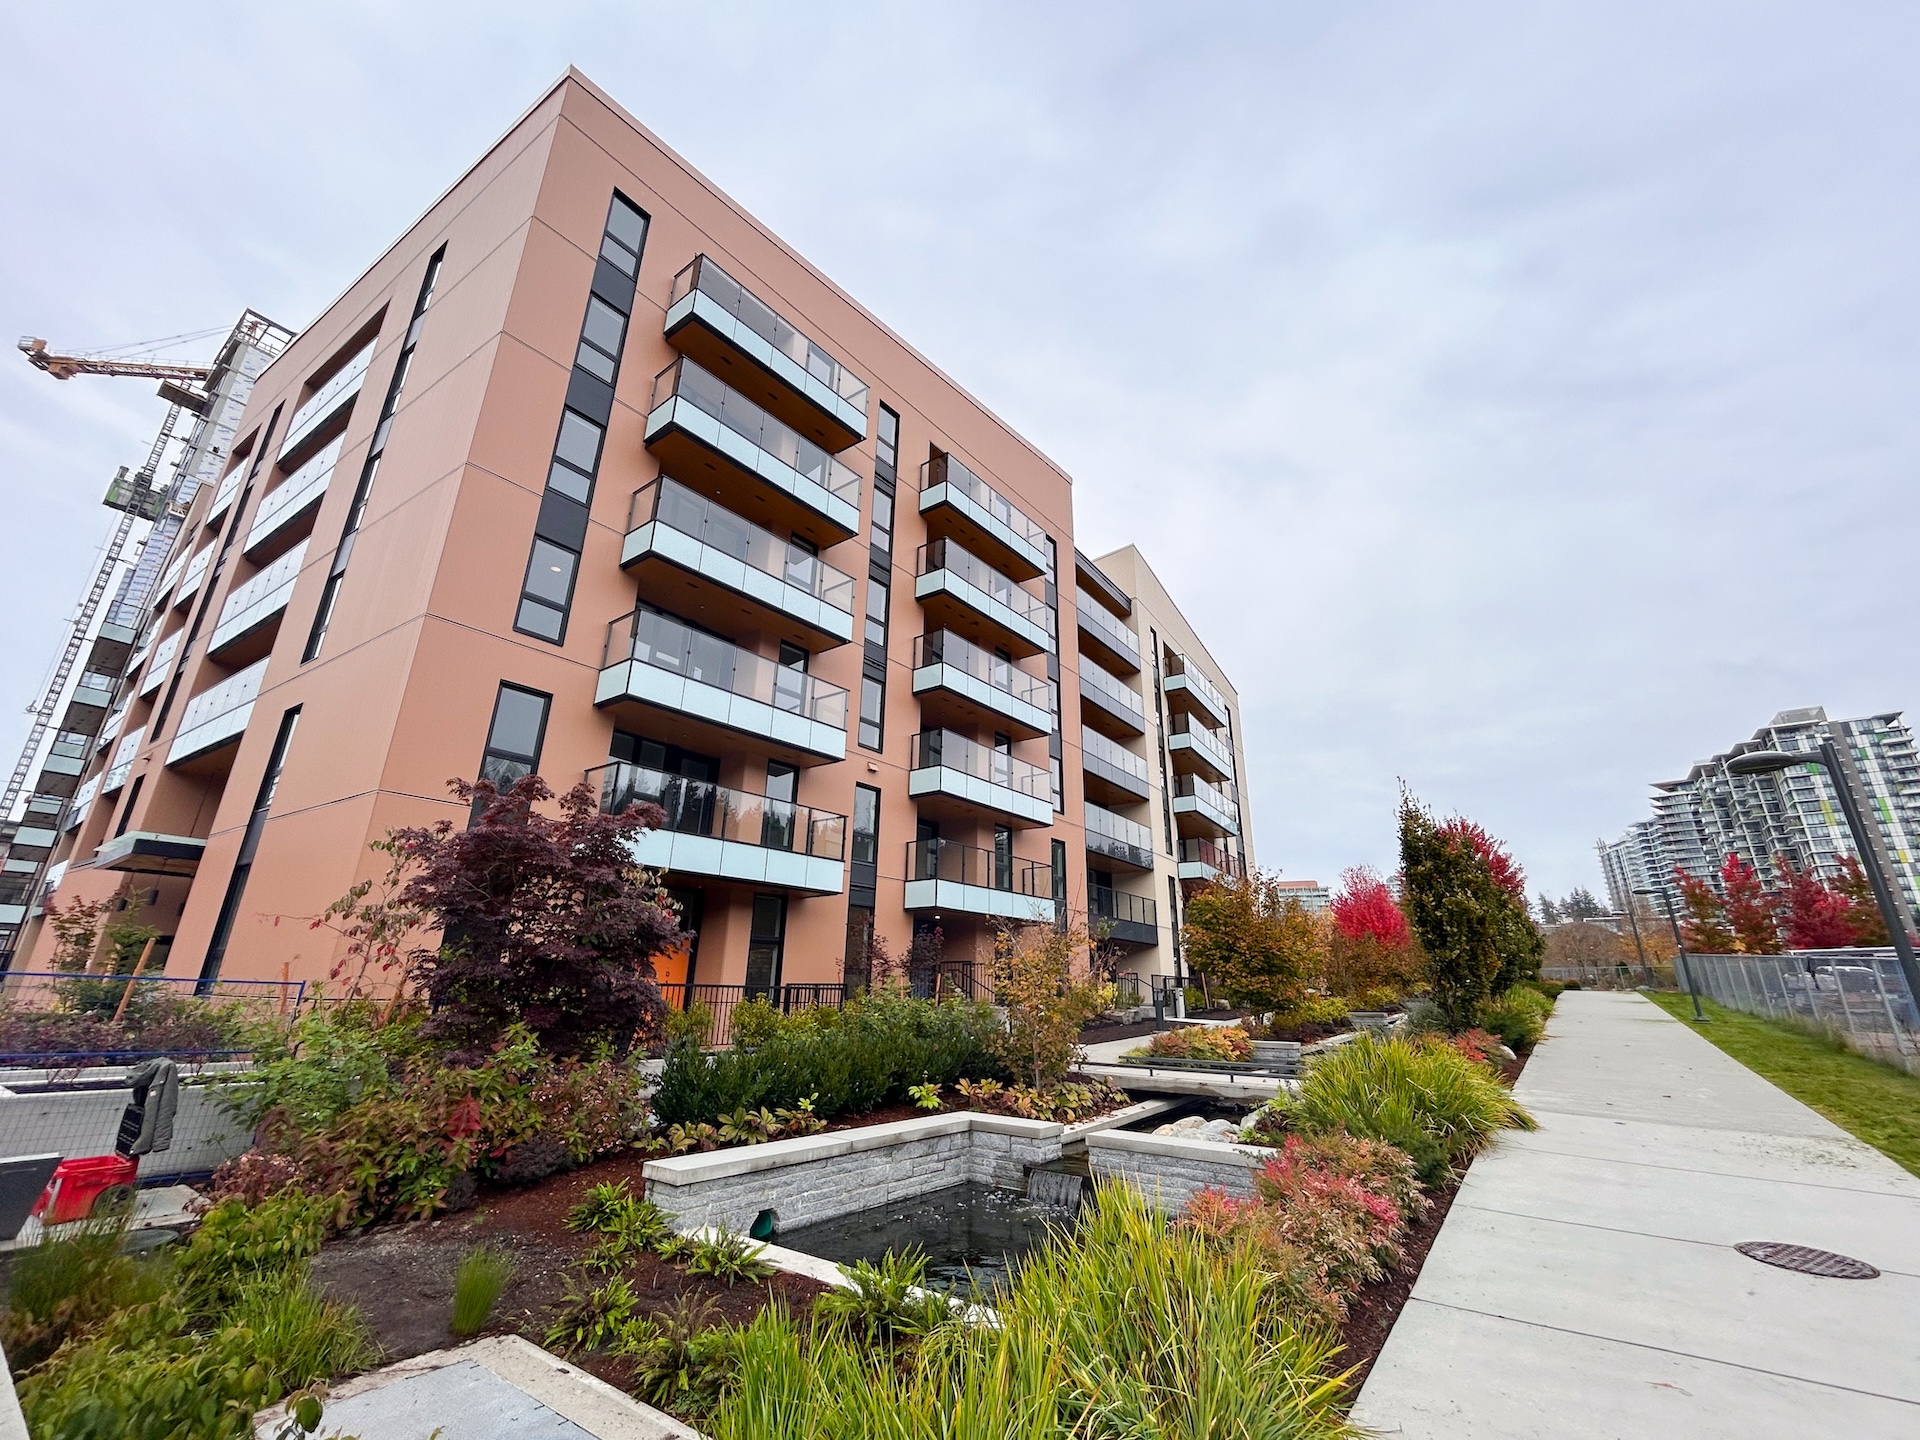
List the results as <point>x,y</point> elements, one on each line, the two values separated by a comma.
<point>134,496</point>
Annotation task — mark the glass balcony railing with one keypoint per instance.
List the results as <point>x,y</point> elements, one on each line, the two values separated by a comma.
<point>657,639</point>
<point>1103,822</point>
<point>157,667</point>
<point>684,380</point>
<point>1192,787</point>
<point>959,864</point>
<point>96,682</point>
<point>1215,857</point>
<point>229,487</point>
<point>70,745</point>
<point>1198,683</point>
<point>938,555</point>
<point>259,597</point>
<point>1123,909</point>
<point>943,647</point>
<point>699,807</point>
<point>1117,757</point>
<point>229,695</point>
<point>946,470</point>
<point>763,320</point>
<point>196,569</point>
<point>294,493</point>
<point>171,574</point>
<point>1209,743</point>
<point>667,502</point>
<point>1104,623</point>
<point>950,751</point>
<point>1124,696</point>
<point>343,385</point>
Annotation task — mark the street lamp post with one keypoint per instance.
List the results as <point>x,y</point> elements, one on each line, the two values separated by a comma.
<point>1639,949</point>
<point>1764,762</point>
<point>1680,953</point>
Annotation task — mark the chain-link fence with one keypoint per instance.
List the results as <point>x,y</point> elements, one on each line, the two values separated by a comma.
<point>1858,994</point>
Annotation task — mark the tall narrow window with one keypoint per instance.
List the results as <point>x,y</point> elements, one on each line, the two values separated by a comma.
<point>249,847</point>
<point>1003,857</point>
<point>766,943</point>
<point>126,810</point>
<point>357,511</point>
<point>514,738</point>
<point>776,824</point>
<point>560,532</point>
<point>873,658</point>
<point>878,593</point>
<point>873,701</point>
<point>866,825</point>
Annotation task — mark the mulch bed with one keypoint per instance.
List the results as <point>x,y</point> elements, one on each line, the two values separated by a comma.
<point>1371,1313</point>
<point>401,1275</point>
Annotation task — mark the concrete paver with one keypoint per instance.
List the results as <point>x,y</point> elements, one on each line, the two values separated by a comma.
<point>1585,1283</point>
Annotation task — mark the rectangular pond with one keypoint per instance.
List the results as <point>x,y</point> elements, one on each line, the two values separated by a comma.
<point>973,1235</point>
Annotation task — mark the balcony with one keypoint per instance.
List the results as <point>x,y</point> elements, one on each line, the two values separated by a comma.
<point>121,765</point>
<point>249,619</point>
<point>1116,838</point>
<point>698,556</point>
<point>1118,918</point>
<point>82,802</point>
<point>965,594</point>
<point>1189,692</point>
<point>718,441</point>
<point>958,774</point>
<point>952,674</point>
<point>733,333</point>
<point>114,721</point>
<point>196,571</point>
<point>66,758</point>
<point>1114,775</point>
<point>328,402</point>
<point>1198,806</point>
<point>1204,862</point>
<point>1109,705</point>
<point>1196,750</point>
<point>728,834</point>
<point>223,497</point>
<point>94,690</point>
<point>944,875</point>
<point>168,576</point>
<point>286,512</point>
<point>217,717</point>
<point>711,691</point>
<point>981,518</point>
<point>1106,637</point>
<point>157,667</point>
<point>148,852</point>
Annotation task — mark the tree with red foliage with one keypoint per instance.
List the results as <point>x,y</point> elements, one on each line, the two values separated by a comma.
<point>1869,926</point>
<point>1371,946</point>
<point>543,920</point>
<point>1705,929</point>
<point>1505,870</point>
<point>1749,908</point>
<point>1814,915</point>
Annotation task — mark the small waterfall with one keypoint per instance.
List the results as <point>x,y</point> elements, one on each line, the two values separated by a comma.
<point>1056,1187</point>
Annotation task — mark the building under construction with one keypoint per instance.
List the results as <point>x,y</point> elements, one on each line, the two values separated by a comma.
<point>81,710</point>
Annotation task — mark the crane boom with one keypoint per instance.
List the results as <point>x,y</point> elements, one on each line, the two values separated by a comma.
<point>65,367</point>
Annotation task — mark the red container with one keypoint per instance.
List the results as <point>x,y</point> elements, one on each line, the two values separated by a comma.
<point>77,1185</point>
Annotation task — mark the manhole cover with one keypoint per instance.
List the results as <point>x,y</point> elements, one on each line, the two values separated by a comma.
<point>1806,1260</point>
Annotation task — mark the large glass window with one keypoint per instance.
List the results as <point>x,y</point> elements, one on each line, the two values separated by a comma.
<point>873,701</point>
<point>866,824</point>
<point>514,738</point>
<point>766,943</point>
<point>877,595</point>
<point>886,444</point>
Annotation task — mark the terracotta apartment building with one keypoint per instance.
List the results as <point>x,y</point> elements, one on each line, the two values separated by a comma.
<point>590,474</point>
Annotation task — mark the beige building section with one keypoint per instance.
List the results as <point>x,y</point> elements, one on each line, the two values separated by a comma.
<point>740,550</point>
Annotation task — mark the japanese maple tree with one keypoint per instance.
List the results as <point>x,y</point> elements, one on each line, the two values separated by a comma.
<point>1750,910</point>
<point>1705,928</point>
<point>544,919</point>
<point>1868,926</point>
<point>1371,946</point>
<point>1813,914</point>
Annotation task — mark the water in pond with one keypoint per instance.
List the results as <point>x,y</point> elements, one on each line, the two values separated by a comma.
<point>972,1234</point>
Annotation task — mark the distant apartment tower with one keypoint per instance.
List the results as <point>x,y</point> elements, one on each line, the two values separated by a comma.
<point>1702,818</point>
<point>590,475</point>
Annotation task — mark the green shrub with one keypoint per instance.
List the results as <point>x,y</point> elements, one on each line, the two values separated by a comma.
<point>62,1288</point>
<point>1201,1042</point>
<point>847,1061</point>
<point>728,1257</point>
<point>1314,1010</point>
<point>235,1325</point>
<point>1423,1096</point>
<point>885,1300</point>
<point>681,1359</point>
<point>478,1280</point>
<point>1519,1017</point>
<point>591,1317</point>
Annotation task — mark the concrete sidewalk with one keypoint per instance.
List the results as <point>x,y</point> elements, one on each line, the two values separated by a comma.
<point>1585,1282</point>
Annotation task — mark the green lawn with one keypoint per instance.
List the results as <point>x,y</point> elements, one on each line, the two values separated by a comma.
<point>1875,1102</point>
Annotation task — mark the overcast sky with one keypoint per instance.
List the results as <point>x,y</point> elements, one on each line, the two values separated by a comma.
<point>1524,394</point>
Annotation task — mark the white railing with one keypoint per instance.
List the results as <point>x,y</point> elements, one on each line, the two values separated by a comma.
<point>341,387</point>
<point>260,597</point>
<point>294,493</point>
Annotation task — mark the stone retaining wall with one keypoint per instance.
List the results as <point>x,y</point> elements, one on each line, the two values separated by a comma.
<point>1167,1169</point>
<point>816,1177</point>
